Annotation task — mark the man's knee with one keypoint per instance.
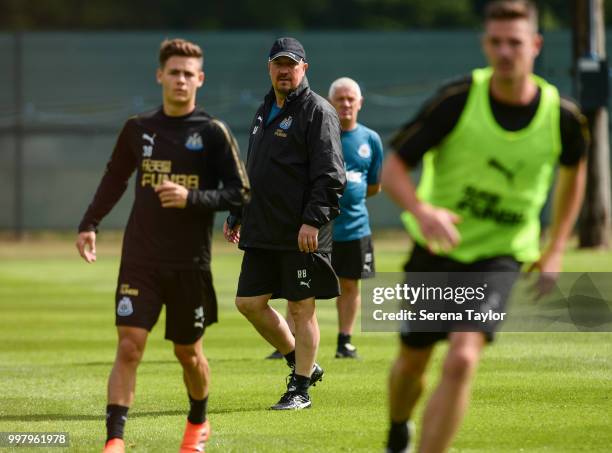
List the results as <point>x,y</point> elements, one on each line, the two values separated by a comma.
<point>349,287</point>
<point>250,305</point>
<point>463,354</point>
<point>302,311</point>
<point>187,355</point>
<point>242,305</point>
<point>130,351</point>
<point>461,362</point>
<point>412,362</point>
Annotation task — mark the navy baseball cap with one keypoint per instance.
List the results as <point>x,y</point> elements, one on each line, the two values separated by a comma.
<point>287,47</point>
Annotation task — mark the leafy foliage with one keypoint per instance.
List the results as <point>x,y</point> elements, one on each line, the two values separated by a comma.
<point>255,14</point>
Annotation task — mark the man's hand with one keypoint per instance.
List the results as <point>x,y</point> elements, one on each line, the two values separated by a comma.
<point>231,234</point>
<point>438,227</point>
<point>172,195</point>
<point>549,265</point>
<point>308,239</point>
<point>87,240</point>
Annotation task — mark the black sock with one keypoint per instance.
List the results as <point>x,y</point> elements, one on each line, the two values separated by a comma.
<point>197,410</point>
<point>398,436</point>
<point>116,416</point>
<point>300,383</point>
<point>343,339</point>
<point>290,358</point>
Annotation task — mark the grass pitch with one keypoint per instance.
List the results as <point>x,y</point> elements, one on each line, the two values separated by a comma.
<point>533,392</point>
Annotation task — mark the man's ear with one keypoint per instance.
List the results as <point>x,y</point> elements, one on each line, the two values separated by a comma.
<point>539,42</point>
<point>158,75</point>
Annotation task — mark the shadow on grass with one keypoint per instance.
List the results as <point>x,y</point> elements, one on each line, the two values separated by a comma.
<point>100,417</point>
<point>146,362</point>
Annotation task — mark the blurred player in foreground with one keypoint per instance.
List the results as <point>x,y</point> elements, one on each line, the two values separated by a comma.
<point>490,144</point>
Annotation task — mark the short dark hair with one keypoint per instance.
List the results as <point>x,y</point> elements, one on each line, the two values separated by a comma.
<point>512,9</point>
<point>178,47</point>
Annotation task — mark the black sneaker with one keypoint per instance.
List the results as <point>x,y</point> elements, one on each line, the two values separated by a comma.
<point>292,401</point>
<point>400,442</point>
<point>346,351</point>
<point>275,355</point>
<point>315,376</point>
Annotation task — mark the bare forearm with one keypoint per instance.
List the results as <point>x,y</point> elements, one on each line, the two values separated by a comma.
<point>568,197</point>
<point>437,225</point>
<point>396,181</point>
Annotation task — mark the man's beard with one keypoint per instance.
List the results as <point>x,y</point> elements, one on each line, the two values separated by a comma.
<point>284,90</point>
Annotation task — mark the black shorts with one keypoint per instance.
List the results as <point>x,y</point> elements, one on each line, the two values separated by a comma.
<point>288,275</point>
<point>189,296</point>
<point>354,259</point>
<point>500,273</point>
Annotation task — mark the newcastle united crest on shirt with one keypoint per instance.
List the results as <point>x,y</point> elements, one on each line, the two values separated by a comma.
<point>194,142</point>
<point>283,126</point>
<point>286,123</point>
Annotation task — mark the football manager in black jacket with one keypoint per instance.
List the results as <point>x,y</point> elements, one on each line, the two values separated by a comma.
<point>297,176</point>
